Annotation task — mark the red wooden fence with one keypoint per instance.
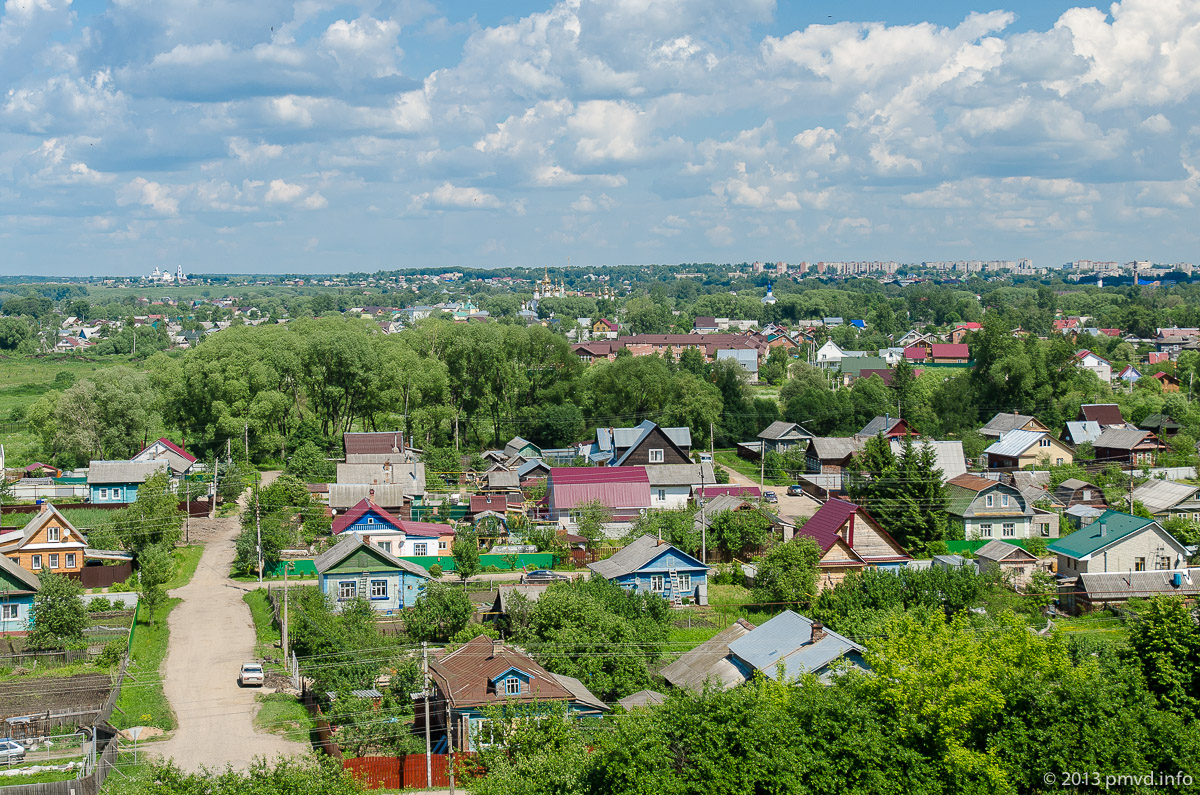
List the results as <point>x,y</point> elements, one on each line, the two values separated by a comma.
<point>403,772</point>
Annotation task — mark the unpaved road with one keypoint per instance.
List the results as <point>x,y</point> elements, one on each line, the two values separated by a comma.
<point>794,507</point>
<point>211,636</point>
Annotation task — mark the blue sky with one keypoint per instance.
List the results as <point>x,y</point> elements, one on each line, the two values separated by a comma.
<point>321,136</point>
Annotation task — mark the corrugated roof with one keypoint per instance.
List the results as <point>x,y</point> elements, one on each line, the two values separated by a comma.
<point>642,698</point>
<point>343,496</point>
<point>823,525</point>
<point>351,544</point>
<point>1122,438</point>
<point>710,661</point>
<point>410,476</point>
<point>1014,443</point>
<point>1089,540</point>
<point>948,455</point>
<point>28,578</point>
<point>880,425</point>
<point>680,474</point>
<point>1081,431</point>
<point>1108,586</point>
<point>376,443</point>
<point>618,488</point>
<point>101,472</point>
<point>1161,495</point>
<point>1002,550</point>
<point>787,639</point>
<point>505,593</point>
<point>503,479</point>
<point>1103,413</point>
<point>972,482</point>
<point>637,555</point>
<point>621,438</point>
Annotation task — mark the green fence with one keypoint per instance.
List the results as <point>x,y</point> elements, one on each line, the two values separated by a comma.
<point>425,513</point>
<point>532,560</point>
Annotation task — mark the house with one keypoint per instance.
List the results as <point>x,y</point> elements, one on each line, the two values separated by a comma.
<point>1166,499</point>
<point>1129,375</point>
<point>648,565</point>
<point>353,569</point>
<point>118,481</point>
<point>856,367</point>
<point>645,444</point>
<point>712,507</point>
<point>408,475</point>
<point>937,353</point>
<point>501,481</point>
<point>523,448</point>
<point>671,485</point>
<point>1160,425</point>
<point>961,330</point>
<point>390,497</point>
<point>625,491</point>
<point>891,427</point>
<point>1106,414</point>
<point>47,542</point>
<point>1118,542</point>
<point>533,469</point>
<point>1127,447</point>
<point>485,673</point>
<point>642,698</point>
<point>705,325</point>
<point>779,437</point>
<point>18,586</point>
<point>850,540</point>
<point>988,508</point>
<point>948,455</point>
<point>1080,431</point>
<point>1093,591</point>
<point>1004,422</point>
<point>393,535</point>
<point>1078,516</point>
<point>505,595</point>
<point>374,447</point>
<point>830,354</point>
<point>1169,382</point>
<point>604,329</point>
<point>179,460</point>
<point>832,454</point>
<point>1074,491</point>
<point>786,647</point>
<point>1097,364</point>
<point>1014,563</point>
<point>1020,449</point>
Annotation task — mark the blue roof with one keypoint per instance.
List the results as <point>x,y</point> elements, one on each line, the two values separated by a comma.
<point>786,639</point>
<point>858,323</point>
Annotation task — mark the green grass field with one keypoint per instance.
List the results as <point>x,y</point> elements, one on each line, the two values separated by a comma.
<point>186,561</point>
<point>24,379</point>
<point>44,777</point>
<point>266,634</point>
<point>142,701</point>
<point>283,714</point>
<point>748,468</point>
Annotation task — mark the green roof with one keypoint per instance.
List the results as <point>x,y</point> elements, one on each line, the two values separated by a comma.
<point>1087,540</point>
<point>854,365</point>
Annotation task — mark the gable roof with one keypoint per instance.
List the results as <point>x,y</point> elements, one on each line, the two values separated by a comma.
<point>1103,413</point>
<point>680,474</point>
<point>880,425</point>
<point>1089,540</point>
<point>637,555</point>
<point>343,496</point>
<point>948,455</point>
<point>615,487</point>
<point>1014,443</point>
<point>102,472</point>
<point>20,574</point>
<point>517,444</point>
<point>351,544</point>
<point>972,482</point>
<point>1005,422</point>
<point>1109,586</point>
<point>174,448</point>
<point>835,448</point>
<point>823,525</point>
<point>1082,431</point>
<point>1123,438</point>
<point>710,661</point>
<point>646,428</point>
<point>621,438</point>
<point>1162,495</point>
<point>360,509</point>
<point>785,642</point>
<point>530,466</point>
<point>784,430</point>
<point>1158,422</point>
<point>373,443</point>
<point>1002,550</point>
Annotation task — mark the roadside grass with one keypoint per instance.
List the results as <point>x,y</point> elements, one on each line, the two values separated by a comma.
<point>142,701</point>
<point>749,469</point>
<point>283,714</point>
<point>43,777</point>
<point>186,560</point>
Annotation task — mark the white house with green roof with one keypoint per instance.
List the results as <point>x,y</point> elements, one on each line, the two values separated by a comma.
<point>1118,542</point>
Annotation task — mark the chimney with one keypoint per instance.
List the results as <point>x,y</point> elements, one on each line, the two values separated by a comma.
<point>43,506</point>
<point>1103,529</point>
<point>818,631</point>
<point>366,539</point>
<point>497,647</point>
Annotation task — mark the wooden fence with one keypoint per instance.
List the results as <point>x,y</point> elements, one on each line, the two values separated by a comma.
<point>400,772</point>
<point>107,748</point>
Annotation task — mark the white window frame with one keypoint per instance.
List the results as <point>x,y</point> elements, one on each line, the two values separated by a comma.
<point>346,593</point>
<point>989,500</point>
<point>512,686</point>
<point>69,560</point>
<point>35,562</point>
<point>685,583</point>
<point>53,560</point>
<point>662,495</point>
<point>1139,564</point>
<point>374,593</point>
<point>103,493</point>
<point>386,546</point>
<point>1009,530</point>
<point>1045,531</point>
<point>985,530</point>
<point>53,534</point>
<point>422,549</point>
<point>656,455</point>
<point>10,612</point>
<point>442,544</point>
<point>1003,500</point>
<point>657,583</point>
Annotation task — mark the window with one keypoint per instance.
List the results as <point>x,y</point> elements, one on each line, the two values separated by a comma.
<point>379,589</point>
<point>990,500</point>
<point>70,563</point>
<point>512,686</point>
<point>104,494</point>
<point>386,546</point>
<point>662,495</point>
<point>656,456</point>
<point>441,544</point>
<point>656,583</point>
<point>1058,462</point>
<point>1087,495</point>
<point>1139,564</point>
<point>985,530</point>
<point>54,561</point>
<point>1009,529</point>
<point>35,562</point>
<point>1004,500</point>
<point>347,589</point>
<point>420,549</point>
<point>685,583</point>
<point>52,534</point>
<point>1045,531</point>
<point>1164,563</point>
<point>9,612</point>
<point>1044,443</point>
<point>370,520</point>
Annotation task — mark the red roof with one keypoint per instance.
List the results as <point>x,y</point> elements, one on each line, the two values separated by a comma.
<point>1111,332</point>
<point>351,516</point>
<point>615,487</point>
<point>950,350</point>
<point>708,492</point>
<point>824,525</point>
<point>488,502</point>
<point>178,450</point>
<point>1103,413</point>
<point>611,326</point>
<point>426,529</point>
<point>915,352</point>
<point>972,326</point>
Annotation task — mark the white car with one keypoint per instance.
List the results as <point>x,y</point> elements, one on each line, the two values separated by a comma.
<point>11,752</point>
<point>251,674</point>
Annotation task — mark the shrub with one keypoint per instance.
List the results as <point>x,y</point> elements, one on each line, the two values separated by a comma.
<point>435,570</point>
<point>118,604</point>
<point>123,587</point>
<point>101,605</point>
<point>111,654</point>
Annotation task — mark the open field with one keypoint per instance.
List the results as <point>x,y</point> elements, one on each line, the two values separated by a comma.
<point>24,379</point>
<point>142,702</point>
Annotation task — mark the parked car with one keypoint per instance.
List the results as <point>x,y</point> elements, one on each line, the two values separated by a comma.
<point>11,752</point>
<point>251,674</point>
<point>795,490</point>
<point>543,577</point>
<point>769,496</point>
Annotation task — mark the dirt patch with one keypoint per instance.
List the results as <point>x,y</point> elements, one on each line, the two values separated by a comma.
<point>31,696</point>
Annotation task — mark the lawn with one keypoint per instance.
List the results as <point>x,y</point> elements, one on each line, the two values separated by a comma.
<point>186,561</point>
<point>27,378</point>
<point>283,714</point>
<point>747,468</point>
<point>43,777</point>
<point>142,702</point>
<point>266,634</point>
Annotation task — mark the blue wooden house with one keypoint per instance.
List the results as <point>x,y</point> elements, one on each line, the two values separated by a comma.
<point>17,589</point>
<point>354,569</point>
<point>651,566</point>
<point>118,481</point>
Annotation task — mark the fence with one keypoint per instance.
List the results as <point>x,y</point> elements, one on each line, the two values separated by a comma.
<point>400,772</point>
<point>103,576</point>
<point>90,783</point>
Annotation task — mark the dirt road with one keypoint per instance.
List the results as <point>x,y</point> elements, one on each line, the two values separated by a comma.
<point>211,636</point>
<point>788,506</point>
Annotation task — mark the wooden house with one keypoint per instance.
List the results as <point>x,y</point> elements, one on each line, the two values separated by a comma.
<point>354,569</point>
<point>47,542</point>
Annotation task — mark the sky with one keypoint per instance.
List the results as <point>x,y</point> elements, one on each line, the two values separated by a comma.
<point>315,136</point>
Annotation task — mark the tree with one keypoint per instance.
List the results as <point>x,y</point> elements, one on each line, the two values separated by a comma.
<point>738,532</point>
<point>465,550</point>
<point>310,464</point>
<point>59,615</point>
<point>280,777</point>
<point>155,568</point>
<point>904,493</point>
<point>787,575</point>
<point>106,416</point>
<point>1164,642</point>
<point>152,519</point>
<point>441,612</point>
<point>592,517</point>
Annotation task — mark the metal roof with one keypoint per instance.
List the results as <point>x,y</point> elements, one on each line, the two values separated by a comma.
<point>1108,586</point>
<point>638,555</point>
<point>621,438</point>
<point>680,474</point>
<point>1162,495</point>
<point>1103,413</point>
<point>880,425</point>
<point>784,430</point>
<point>710,661</point>
<point>614,487</point>
<point>1081,431</point>
<point>102,472</point>
<point>410,476</point>
<point>823,525</point>
<point>345,495</point>
<point>786,640</point>
<point>948,455</point>
<point>835,448</point>
<point>1014,443</point>
<point>642,698</point>
<point>1001,550</point>
<point>375,443</point>
<point>1089,540</point>
<point>1004,422</point>
<point>503,479</point>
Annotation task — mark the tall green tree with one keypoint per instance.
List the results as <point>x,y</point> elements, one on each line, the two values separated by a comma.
<point>1164,642</point>
<point>153,519</point>
<point>155,568</point>
<point>465,550</point>
<point>787,575</point>
<point>59,616</point>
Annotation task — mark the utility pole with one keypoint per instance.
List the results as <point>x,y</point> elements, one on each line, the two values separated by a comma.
<point>284,628</point>
<point>212,499</point>
<point>428,742</point>
<point>450,745</point>
<point>258,528</point>
<point>246,439</point>
<point>228,450</point>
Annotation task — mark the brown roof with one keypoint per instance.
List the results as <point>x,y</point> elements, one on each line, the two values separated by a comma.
<point>373,443</point>
<point>972,482</point>
<point>465,675</point>
<point>1103,413</point>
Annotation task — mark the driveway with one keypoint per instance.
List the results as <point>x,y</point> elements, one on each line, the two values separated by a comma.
<point>794,507</point>
<point>211,636</point>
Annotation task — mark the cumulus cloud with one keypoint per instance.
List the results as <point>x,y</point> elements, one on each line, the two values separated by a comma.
<point>157,197</point>
<point>452,197</point>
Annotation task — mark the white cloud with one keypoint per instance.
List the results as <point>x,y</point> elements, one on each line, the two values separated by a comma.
<point>452,197</point>
<point>149,194</point>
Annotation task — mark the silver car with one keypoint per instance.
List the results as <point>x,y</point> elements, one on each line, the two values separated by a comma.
<point>251,674</point>
<point>11,752</point>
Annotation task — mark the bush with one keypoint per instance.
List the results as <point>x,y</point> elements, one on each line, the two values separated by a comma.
<point>435,570</point>
<point>491,569</point>
<point>111,654</point>
<point>129,586</point>
<point>472,631</point>
<point>101,605</point>
<point>118,604</point>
